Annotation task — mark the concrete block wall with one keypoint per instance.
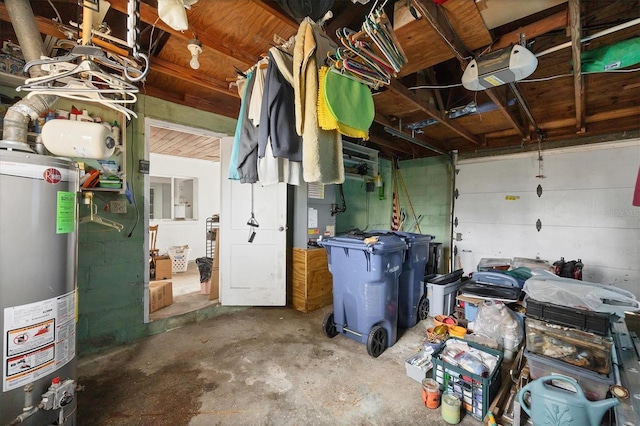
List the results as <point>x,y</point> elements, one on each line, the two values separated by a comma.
<point>356,216</point>
<point>428,182</point>
<point>112,266</point>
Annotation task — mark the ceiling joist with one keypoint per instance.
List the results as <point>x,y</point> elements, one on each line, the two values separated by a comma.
<point>578,80</point>
<point>400,89</point>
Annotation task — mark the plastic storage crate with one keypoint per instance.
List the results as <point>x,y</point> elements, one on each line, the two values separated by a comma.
<point>365,289</point>
<point>569,345</point>
<point>595,386</point>
<point>475,392</point>
<point>179,258</point>
<point>593,322</point>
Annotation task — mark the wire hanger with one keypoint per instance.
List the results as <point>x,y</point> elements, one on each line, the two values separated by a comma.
<point>93,217</point>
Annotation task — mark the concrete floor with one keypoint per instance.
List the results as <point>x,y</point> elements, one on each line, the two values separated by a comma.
<point>259,366</point>
<point>186,294</point>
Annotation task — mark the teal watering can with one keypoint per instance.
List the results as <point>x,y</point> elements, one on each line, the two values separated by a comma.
<point>555,406</point>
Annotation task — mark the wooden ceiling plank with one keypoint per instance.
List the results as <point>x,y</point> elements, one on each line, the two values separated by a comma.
<point>389,145</point>
<point>277,12</point>
<point>149,15</point>
<point>543,26</point>
<point>400,89</point>
<point>192,76</point>
<point>438,22</point>
<point>578,86</point>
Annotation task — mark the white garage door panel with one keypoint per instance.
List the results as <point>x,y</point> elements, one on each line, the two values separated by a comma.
<point>517,176</point>
<point>585,210</point>
<point>497,240</point>
<point>605,168</point>
<point>597,247</point>
<point>494,208</point>
<point>589,207</point>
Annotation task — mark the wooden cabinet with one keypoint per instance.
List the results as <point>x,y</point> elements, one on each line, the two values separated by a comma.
<point>312,283</point>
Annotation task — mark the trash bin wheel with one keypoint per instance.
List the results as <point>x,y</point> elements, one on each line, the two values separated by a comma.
<point>377,341</point>
<point>423,308</point>
<point>329,326</point>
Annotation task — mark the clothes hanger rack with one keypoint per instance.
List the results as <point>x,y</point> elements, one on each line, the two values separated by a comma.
<point>85,81</point>
<point>93,217</point>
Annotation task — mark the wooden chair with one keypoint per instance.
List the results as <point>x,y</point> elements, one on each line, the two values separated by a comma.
<point>153,234</point>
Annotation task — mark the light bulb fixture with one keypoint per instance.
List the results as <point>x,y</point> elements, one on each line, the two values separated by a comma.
<point>195,48</point>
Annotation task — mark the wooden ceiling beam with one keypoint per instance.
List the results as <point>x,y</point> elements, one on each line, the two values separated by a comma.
<point>402,90</point>
<point>611,115</point>
<point>190,101</point>
<point>277,12</point>
<point>191,76</point>
<point>543,26</point>
<point>578,79</point>
<point>45,26</point>
<point>379,140</point>
<point>383,119</point>
<point>149,15</point>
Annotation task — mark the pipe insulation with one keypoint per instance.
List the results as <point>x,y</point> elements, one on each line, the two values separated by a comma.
<point>16,120</point>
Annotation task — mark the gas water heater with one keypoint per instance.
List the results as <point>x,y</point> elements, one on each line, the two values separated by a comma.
<point>38,252</point>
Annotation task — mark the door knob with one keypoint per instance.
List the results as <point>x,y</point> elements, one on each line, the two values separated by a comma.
<point>282,228</point>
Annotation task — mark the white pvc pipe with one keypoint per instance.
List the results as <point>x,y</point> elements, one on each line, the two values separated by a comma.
<point>591,37</point>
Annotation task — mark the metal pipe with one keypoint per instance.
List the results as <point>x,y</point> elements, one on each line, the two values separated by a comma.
<point>17,117</point>
<point>453,165</point>
<point>591,37</point>
<point>418,142</point>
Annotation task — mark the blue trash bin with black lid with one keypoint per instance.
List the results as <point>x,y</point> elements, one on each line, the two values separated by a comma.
<point>366,269</point>
<point>412,305</point>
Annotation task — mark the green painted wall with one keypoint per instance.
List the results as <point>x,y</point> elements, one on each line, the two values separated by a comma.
<point>428,183</point>
<point>111,265</point>
<point>365,210</point>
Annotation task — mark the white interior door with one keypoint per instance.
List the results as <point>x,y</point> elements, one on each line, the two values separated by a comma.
<point>251,274</point>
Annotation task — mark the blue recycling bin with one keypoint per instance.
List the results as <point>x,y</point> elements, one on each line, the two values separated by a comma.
<point>412,307</point>
<point>365,289</point>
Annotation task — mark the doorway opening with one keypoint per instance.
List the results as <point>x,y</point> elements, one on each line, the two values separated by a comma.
<point>182,195</point>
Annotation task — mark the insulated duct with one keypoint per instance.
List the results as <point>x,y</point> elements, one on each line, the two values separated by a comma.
<point>16,120</point>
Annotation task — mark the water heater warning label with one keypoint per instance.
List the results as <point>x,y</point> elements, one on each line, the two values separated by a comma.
<point>39,338</point>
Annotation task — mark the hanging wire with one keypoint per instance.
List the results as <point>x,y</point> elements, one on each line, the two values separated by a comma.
<point>529,80</point>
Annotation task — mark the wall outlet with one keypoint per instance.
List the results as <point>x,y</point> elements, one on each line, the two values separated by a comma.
<point>119,207</point>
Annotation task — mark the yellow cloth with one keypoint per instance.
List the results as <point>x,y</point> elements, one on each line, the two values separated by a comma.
<point>326,120</point>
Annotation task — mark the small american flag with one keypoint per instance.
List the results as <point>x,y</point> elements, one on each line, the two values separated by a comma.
<point>395,214</point>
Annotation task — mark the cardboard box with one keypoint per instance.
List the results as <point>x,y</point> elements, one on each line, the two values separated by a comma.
<point>164,268</point>
<point>160,295</point>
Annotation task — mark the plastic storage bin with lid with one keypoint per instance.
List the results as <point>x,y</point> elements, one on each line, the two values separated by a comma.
<point>366,270</point>
<point>441,292</point>
<point>412,307</point>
